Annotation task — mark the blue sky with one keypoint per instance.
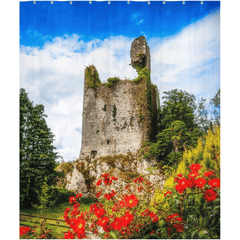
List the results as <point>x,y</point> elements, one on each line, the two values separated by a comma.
<point>57,42</point>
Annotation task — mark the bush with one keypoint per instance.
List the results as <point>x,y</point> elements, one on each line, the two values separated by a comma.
<point>60,195</point>
<point>111,81</point>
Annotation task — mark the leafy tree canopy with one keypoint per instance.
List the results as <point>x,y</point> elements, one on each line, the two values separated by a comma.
<point>37,156</point>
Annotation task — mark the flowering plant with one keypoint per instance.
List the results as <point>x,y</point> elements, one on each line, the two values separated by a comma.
<point>190,209</point>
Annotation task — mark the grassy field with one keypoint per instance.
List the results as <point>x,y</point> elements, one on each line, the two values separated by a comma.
<point>55,212</point>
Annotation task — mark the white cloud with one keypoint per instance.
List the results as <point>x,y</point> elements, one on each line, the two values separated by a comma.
<point>188,56</point>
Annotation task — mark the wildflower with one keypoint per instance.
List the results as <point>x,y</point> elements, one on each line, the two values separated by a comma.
<point>168,192</point>
<point>193,174</point>
<point>99,212</point>
<point>72,200</point>
<point>178,227</point>
<point>103,221</point>
<point>195,167</point>
<point>105,175</point>
<point>201,182</point>
<point>69,235</point>
<point>169,231</point>
<point>138,180</point>
<point>210,195</point>
<point>152,232</point>
<point>117,224</point>
<point>208,174</point>
<point>24,230</point>
<point>99,182</point>
<point>78,226</point>
<point>182,185</point>
<point>126,219</point>
<point>131,200</point>
<point>79,195</point>
<point>127,186</point>
<point>215,182</point>
<point>98,194</point>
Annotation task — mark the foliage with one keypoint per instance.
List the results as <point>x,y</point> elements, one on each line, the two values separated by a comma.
<point>37,155</point>
<point>178,105</point>
<point>45,201</point>
<point>172,142</point>
<point>60,195</point>
<point>92,79</point>
<point>111,81</point>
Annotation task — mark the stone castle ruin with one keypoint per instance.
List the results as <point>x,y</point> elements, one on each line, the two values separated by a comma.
<point>118,116</point>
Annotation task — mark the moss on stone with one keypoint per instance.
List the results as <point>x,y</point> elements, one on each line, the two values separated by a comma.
<point>91,77</point>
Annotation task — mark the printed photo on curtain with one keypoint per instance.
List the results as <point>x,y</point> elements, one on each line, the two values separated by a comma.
<point>119,119</point>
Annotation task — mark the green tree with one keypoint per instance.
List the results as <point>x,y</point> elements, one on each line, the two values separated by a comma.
<point>37,156</point>
<point>215,104</point>
<point>177,105</point>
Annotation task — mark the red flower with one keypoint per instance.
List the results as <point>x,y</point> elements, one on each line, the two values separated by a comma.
<point>154,217</point>
<point>195,167</point>
<point>98,194</point>
<point>148,183</point>
<point>215,182</point>
<point>69,235</point>
<point>114,178</point>
<point>127,186</point>
<point>24,230</point>
<point>193,174</point>
<point>208,174</point>
<point>146,212</point>
<point>131,200</point>
<point>210,195</point>
<point>103,221</point>
<point>79,195</point>
<point>182,185</point>
<point>126,219</point>
<point>113,193</point>
<point>201,182</point>
<point>178,227</point>
<point>121,203</point>
<point>105,175</point>
<point>169,231</point>
<point>192,183</point>
<point>99,182</point>
<point>168,192</point>
<point>99,212</point>
<point>140,188</point>
<point>138,180</point>
<point>72,200</point>
<point>179,175</point>
<point>117,224</point>
<point>107,196</point>
<point>152,232</point>
<point>78,226</point>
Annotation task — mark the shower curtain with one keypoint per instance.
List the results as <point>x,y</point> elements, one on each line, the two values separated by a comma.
<point>69,51</point>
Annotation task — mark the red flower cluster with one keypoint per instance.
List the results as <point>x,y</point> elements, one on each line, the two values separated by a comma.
<point>168,192</point>
<point>106,179</point>
<point>195,167</point>
<point>69,235</point>
<point>208,174</point>
<point>138,180</point>
<point>110,195</point>
<point>182,185</point>
<point>24,230</point>
<point>79,195</point>
<point>210,195</point>
<point>98,194</point>
<point>175,219</point>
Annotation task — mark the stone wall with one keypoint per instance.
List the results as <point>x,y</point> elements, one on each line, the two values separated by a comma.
<point>116,120</point>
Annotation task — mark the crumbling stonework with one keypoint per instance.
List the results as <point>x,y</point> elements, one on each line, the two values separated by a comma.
<point>117,119</point>
<point>140,53</point>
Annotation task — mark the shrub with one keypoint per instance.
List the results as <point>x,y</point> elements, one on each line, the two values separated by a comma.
<point>60,195</point>
<point>111,81</point>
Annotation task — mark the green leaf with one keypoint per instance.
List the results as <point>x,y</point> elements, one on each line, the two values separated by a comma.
<point>113,234</point>
<point>194,233</point>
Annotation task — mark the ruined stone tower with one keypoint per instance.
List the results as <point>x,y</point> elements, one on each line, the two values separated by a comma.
<point>119,115</point>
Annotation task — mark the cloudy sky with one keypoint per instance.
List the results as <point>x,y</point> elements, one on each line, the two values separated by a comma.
<point>57,42</point>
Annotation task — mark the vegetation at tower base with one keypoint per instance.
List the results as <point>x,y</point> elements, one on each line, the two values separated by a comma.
<point>37,156</point>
